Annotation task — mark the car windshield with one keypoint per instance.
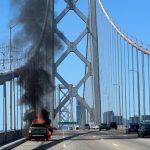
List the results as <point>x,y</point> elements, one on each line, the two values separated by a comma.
<point>103,124</point>
<point>38,125</point>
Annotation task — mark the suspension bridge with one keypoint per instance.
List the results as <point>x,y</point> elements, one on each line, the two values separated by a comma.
<point>112,79</point>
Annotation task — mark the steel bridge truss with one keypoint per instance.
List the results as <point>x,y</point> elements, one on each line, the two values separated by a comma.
<point>66,113</point>
<point>92,66</point>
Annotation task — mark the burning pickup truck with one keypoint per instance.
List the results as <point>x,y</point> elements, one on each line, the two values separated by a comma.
<point>40,128</point>
<point>38,131</point>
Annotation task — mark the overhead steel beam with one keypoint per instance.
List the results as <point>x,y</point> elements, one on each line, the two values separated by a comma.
<point>8,76</point>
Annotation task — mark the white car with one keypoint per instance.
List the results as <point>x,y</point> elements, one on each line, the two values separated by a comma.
<point>77,127</point>
<point>96,127</point>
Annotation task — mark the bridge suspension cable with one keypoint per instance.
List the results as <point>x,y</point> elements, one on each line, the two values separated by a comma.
<point>125,63</point>
<point>133,43</point>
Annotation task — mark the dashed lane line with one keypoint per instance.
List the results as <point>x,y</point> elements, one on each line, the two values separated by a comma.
<point>115,145</point>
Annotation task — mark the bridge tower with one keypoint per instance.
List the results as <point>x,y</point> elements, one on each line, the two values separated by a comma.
<point>92,65</point>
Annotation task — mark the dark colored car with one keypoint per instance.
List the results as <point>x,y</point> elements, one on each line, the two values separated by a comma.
<point>38,131</point>
<point>112,125</point>
<point>144,129</point>
<point>103,126</point>
<point>70,128</point>
<point>87,126</point>
<point>133,127</point>
<point>54,128</point>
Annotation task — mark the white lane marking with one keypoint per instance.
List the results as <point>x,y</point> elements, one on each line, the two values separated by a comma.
<point>115,145</point>
<point>94,136</point>
<point>64,145</point>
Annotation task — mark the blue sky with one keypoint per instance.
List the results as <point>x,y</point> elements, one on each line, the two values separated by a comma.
<point>4,17</point>
<point>132,16</point>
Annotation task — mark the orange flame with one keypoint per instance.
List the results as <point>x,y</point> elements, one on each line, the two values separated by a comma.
<point>40,120</point>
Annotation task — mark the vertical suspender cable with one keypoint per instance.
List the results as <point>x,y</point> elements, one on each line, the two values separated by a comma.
<point>121,51</point>
<point>21,110</point>
<point>147,85</point>
<point>10,104</point>
<point>125,71</point>
<point>112,67</point>
<point>114,75</point>
<point>113,72</point>
<point>143,80</point>
<point>149,81</point>
<point>5,108</point>
<point>129,79</point>
<point>14,104</point>
<point>138,84</point>
<point>118,76</point>
<point>113,61</point>
<point>17,102</point>
<point>133,80</point>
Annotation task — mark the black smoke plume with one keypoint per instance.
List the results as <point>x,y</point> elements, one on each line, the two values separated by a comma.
<point>36,34</point>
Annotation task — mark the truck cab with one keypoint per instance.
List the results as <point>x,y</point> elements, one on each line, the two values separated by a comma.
<point>38,131</point>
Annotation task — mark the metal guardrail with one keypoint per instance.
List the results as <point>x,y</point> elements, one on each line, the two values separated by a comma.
<point>13,144</point>
<point>9,136</point>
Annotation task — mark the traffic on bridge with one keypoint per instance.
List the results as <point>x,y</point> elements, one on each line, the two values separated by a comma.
<point>72,76</point>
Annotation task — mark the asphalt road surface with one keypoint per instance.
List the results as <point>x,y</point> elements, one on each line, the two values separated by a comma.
<point>89,140</point>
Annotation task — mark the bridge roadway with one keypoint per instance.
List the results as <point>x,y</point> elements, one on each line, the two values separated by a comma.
<point>89,140</point>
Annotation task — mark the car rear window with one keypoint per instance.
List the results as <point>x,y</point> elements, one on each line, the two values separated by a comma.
<point>86,125</point>
<point>103,124</point>
<point>113,123</point>
<point>38,125</point>
<point>134,125</point>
